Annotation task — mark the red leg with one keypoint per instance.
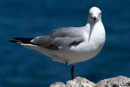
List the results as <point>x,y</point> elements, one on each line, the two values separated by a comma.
<point>72,71</point>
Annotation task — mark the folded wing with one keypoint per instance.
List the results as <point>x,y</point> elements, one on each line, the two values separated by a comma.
<point>61,37</point>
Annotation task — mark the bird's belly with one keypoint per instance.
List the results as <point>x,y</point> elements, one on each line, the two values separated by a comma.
<point>76,54</point>
<point>73,54</point>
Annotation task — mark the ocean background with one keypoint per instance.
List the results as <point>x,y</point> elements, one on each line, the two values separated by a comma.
<point>21,67</point>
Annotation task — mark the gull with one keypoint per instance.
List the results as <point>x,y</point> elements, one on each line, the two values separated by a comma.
<point>70,45</point>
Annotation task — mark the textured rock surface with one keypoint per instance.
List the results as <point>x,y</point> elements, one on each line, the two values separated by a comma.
<point>77,82</point>
<point>57,84</point>
<point>80,82</point>
<point>119,81</point>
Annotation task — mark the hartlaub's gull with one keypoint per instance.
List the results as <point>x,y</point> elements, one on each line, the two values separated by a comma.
<point>70,45</point>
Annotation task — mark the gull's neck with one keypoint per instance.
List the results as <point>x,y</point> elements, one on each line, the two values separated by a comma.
<point>90,27</point>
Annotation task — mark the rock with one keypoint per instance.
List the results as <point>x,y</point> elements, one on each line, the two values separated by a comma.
<point>119,81</point>
<point>80,82</point>
<point>57,84</point>
<point>77,82</point>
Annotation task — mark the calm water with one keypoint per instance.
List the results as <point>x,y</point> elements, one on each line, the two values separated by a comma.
<point>21,67</point>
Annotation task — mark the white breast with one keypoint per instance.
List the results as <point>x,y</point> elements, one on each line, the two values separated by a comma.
<point>85,50</point>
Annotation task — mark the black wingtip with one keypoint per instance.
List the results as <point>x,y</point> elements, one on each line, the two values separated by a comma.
<point>23,40</point>
<point>16,38</point>
<point>13,41</point>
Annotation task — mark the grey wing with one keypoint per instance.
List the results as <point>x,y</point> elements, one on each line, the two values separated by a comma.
<point>59,38</point>
<point>67,32</point>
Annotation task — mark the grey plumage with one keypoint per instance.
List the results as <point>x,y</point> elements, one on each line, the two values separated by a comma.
<point>60,37</point>
<point>67,32</point>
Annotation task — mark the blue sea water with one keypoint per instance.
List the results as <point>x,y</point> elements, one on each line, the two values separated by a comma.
<point>21,67</point>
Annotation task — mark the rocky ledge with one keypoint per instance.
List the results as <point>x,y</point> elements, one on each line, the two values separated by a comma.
<point>119,81</point>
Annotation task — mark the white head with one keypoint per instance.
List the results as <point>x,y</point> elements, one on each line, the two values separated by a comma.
<point>94,15</point>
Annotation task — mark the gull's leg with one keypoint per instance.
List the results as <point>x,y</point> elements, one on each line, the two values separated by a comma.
<point>72,71</point>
